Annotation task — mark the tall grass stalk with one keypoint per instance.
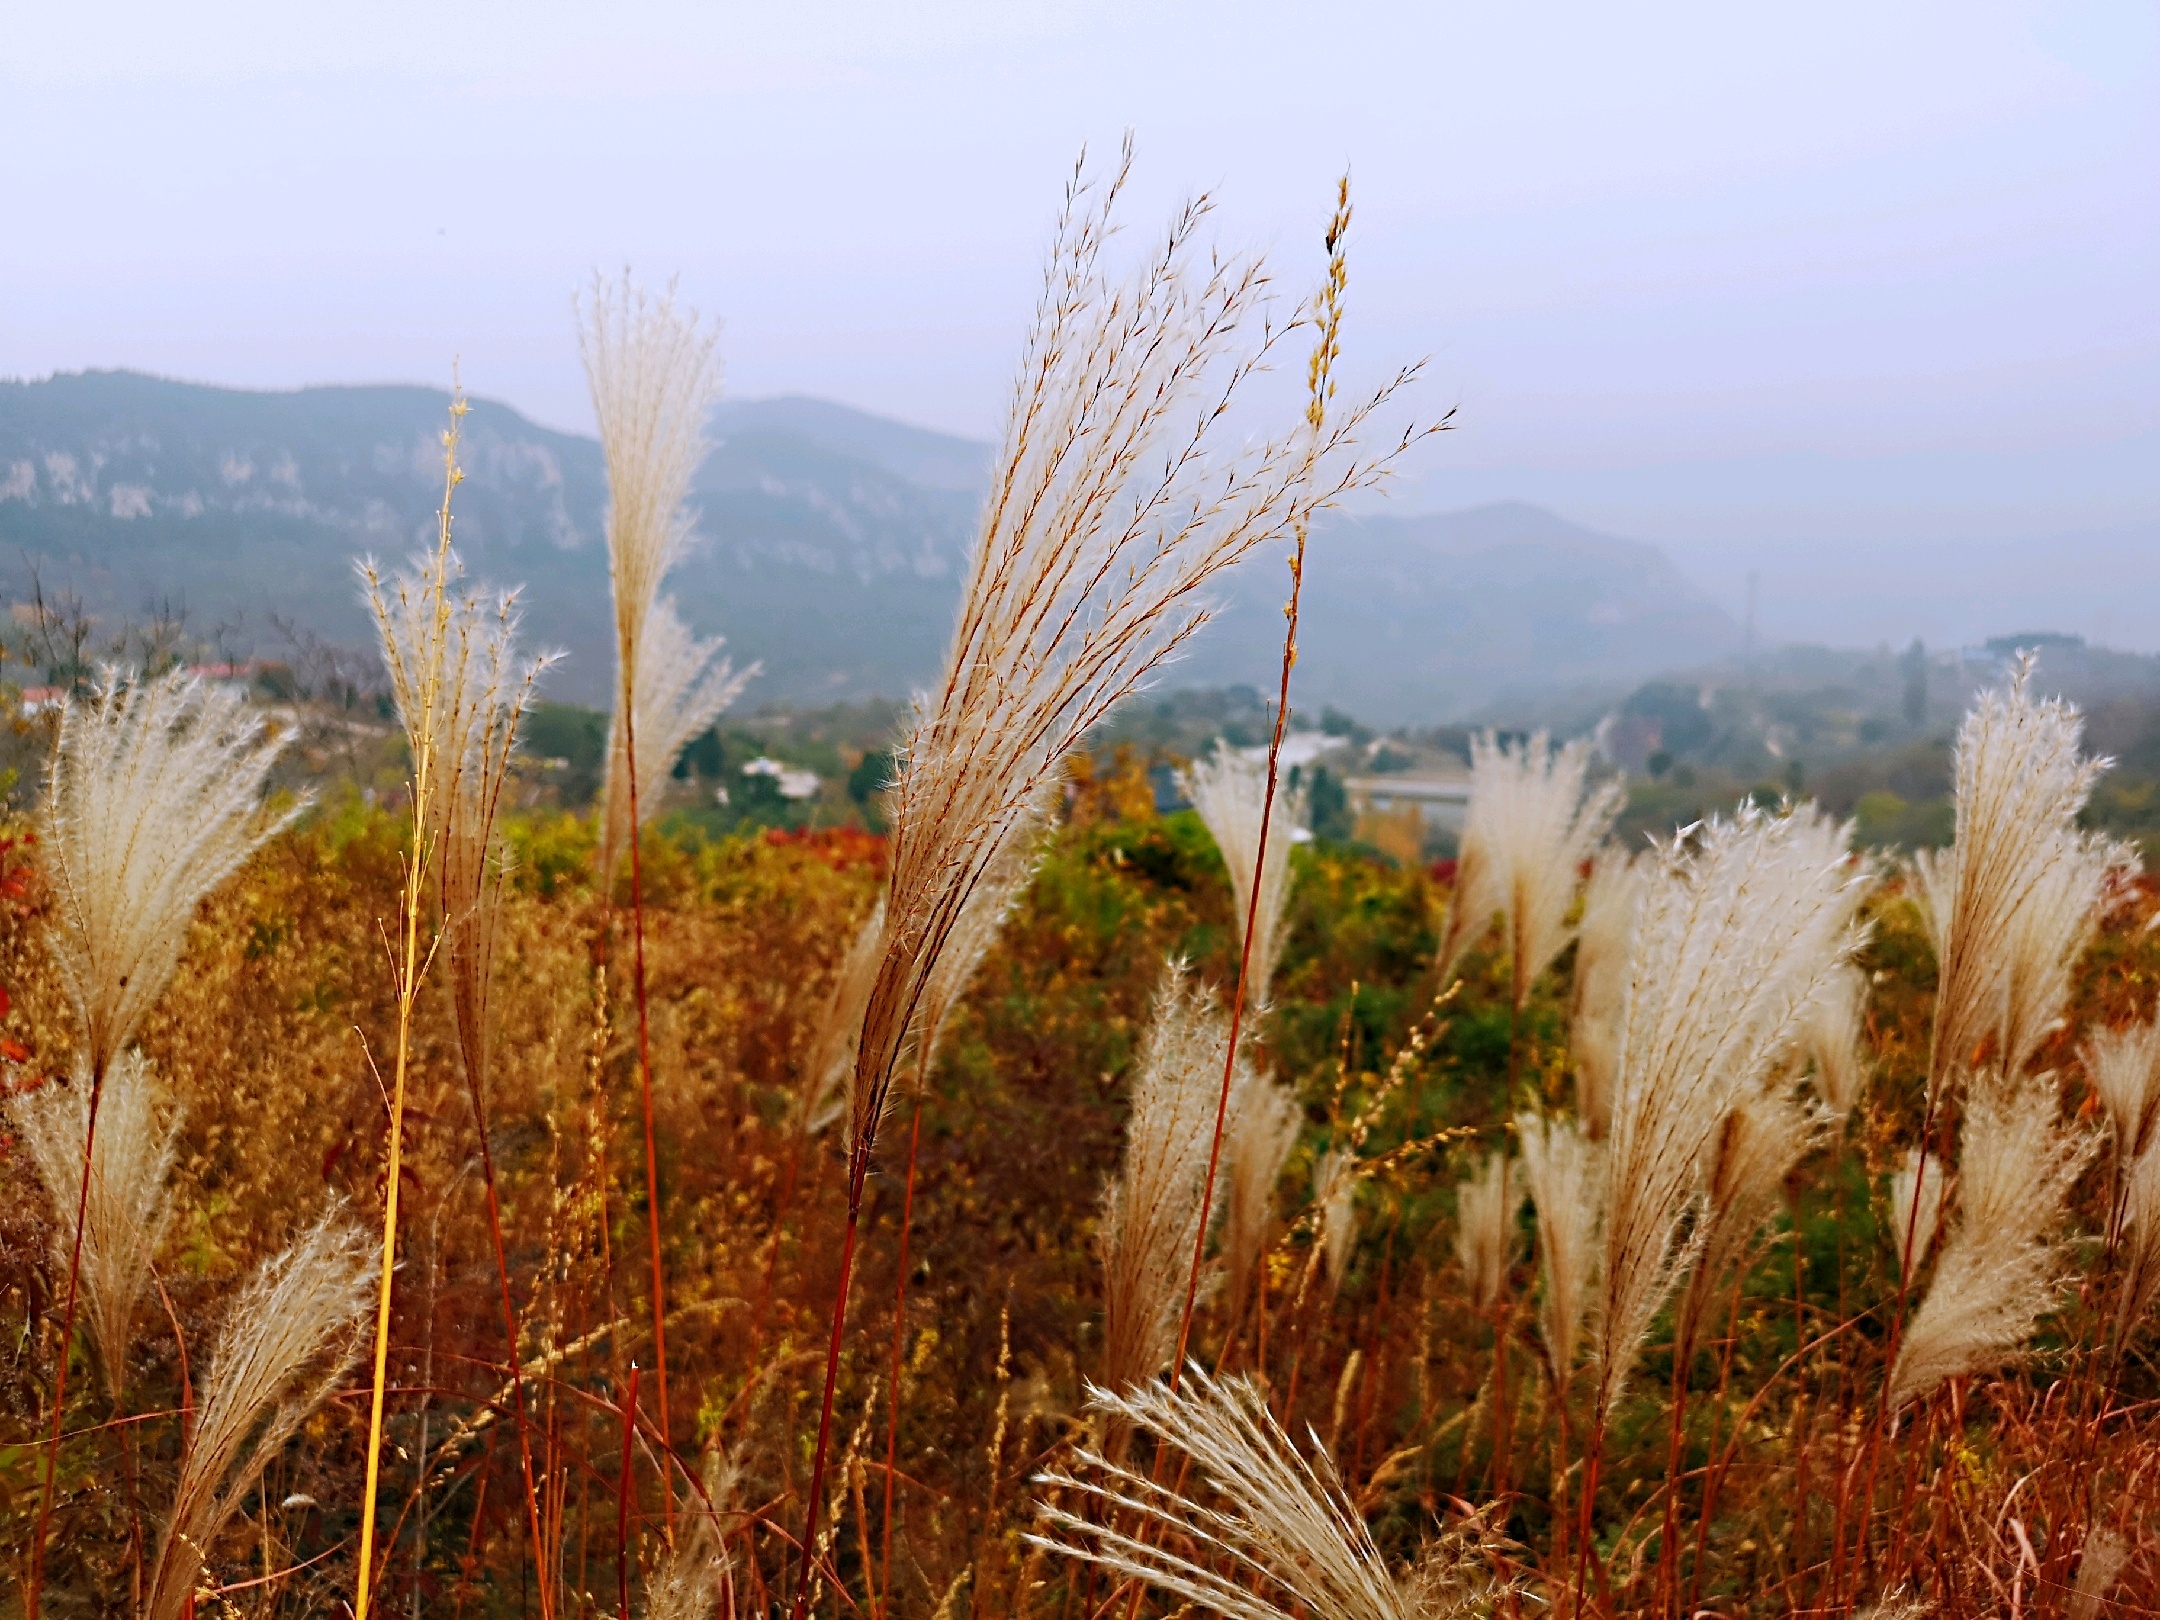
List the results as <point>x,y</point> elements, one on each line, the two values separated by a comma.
<point>1326,316</point>
<point>1114,505</point>
<point>151,801</point>
<point>653,374</point>
<point>472,707</point>
<point>435,622</point>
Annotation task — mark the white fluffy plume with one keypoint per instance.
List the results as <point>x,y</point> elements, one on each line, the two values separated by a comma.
<point>1229,791</point>
<point>1743,924</point>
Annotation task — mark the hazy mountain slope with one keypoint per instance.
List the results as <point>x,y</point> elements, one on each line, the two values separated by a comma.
<point>835,572</point>
<point>829,546</point>
<point>1439,615</point>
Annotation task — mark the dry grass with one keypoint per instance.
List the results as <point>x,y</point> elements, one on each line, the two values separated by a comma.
<point>296,1317</point>
<point>1534,819</point>
<point>1287,1539</point>
<point>2004,1263</point>
<point>153,799</point>
<point>1987,1452</point>
<point>125,1218</point>
<point>1485,1209</point>
<point>1151,1212</point>
<point>1739,931</point>
<point>2020,782</point>
<point>1566,1175</point>
<point>1603,952</point>
<point>1229,791</point>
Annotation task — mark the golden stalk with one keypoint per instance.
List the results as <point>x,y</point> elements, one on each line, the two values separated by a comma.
<point>411,969</point>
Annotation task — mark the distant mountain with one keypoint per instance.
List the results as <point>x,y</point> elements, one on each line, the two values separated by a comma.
<point>812,554</point>
<point>1439,616</point>
<point>829,546</point>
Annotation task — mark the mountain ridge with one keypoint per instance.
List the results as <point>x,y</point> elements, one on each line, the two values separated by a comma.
<point>829,546</point>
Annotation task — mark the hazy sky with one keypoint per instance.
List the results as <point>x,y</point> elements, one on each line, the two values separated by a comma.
<point>1804,290</point>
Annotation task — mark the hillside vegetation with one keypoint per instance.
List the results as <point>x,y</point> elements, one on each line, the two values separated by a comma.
<point>457,1164</point>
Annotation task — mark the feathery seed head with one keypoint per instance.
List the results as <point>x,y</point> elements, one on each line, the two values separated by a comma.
<point>1914,1218</point>
<point>2020,783</point>
<point>1257,1142</point>
<point>1566,1174</point>
<point>1485,1210</point>
<point>832,1054</point>
<point>298,1312</point>
<point>2140,1220</point>
<point>2101,1562</point>
<point>1118,498</point>
<point>1744,1177</point>
<point>2002,1266</point>
<point>152,799</point>
<point>462,690</point>
<point>2124,1067</point>
<point>1230,792</point>
<point>2047,935</point>
<point>1743,924</point>
<point>1533,820</point>
<point>1337,1174</point>
<point>128,1210</point>
<point>1285,1541</point>
<point>1151,1212</point>
<point>1605,941</point>
<point>683,685</point>
<point>654,372</point>
<point>1831,1037</point>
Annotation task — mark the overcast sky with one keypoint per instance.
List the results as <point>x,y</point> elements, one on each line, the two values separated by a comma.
<point>1808,291</point>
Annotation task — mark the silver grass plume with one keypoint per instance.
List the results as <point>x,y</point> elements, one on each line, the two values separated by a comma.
<point>1932,874</point>
<point>2048,933</point>
<point>1743,923</point>
<point>1533,820</point>
<point>289,1335</point>
<point>1604,944</point>
<point>1744,1177</point>
<point>1118,499</point>
<point>2124,1068</point>
<point>1916,1203</point>
<point>1566,1174</point>
<point>982,920</point>
<point>2020,783</point>
<point>153,799</point>
<point>654,374</point>
<point>2139,1221</point>
<point>2002,1266</point>
<point>1229,791</point>
<point>1337,1174</point>
<point>1485,1210</point>
<point>1288,1539</point>
<point>1258,1142</point>
<point>683,685</point>
<point>687,1582</point>
<point>2101,1562</point>
<point>832,1053</point>
<point>1151,1212</point>
<point>980,924</point>
<point>128,1211</point>
<point>1898,1605</point>
<point>1832,1039</point>
<point>461,691</point>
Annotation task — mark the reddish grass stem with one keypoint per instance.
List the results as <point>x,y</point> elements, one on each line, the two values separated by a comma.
<point>622,1497</point>
<point>510,1331</point>
<point>1321,383</point>
<point>892,1411</point>
<point>67,1337</point>
<point>644,1044</point>
<point>858,1175</point>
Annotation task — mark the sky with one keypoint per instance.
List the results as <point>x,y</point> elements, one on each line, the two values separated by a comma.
<point>1856,300</point>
